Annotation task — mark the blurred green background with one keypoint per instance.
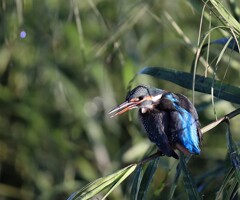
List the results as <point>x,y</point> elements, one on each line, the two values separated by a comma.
<point>65,64</point>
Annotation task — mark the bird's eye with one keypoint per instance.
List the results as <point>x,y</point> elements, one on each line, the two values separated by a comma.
<point>140,98</point>
<point>137,99</point>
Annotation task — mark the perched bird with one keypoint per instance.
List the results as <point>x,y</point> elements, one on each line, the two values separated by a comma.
<point>169,120</point>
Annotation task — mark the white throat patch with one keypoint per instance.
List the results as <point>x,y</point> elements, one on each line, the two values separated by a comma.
<point>156,98</point>
<point>145,109</point>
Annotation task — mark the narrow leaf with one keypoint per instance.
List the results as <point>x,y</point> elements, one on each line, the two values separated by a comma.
<point>136,183</point>
<point>124,176</point>
<point>191,187</point>
<point>202,84</point>
<point>100,184</point>
<point>147,178</point>
<point>225,182</point>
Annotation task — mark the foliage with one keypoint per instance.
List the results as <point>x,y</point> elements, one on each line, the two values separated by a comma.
<point>65,64</point>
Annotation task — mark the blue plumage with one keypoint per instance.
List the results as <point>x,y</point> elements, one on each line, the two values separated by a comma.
<point>184,128</point>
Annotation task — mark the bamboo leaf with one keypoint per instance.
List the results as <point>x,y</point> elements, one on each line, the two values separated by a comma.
<point>202,84</point>
<point>123,177</point>
<point>100,184</point>
<point>188,180</point>
<point>136,183</point>
<point>147,178</point>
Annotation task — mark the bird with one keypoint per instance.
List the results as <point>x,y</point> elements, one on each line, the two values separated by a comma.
<point>169,119</point>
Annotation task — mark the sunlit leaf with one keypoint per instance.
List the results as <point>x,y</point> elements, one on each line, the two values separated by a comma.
<point>120,180</point>
<point>100,184</point>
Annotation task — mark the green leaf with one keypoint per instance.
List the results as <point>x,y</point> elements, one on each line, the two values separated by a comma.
<point>123,177</point>
<point>147,178</point>
<point>202,84</point>
<point>136,183</point>
<point>100,184</point>
<point>191,187</point>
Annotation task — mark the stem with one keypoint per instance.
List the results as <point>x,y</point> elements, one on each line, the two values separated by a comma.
<point>151,157</point>
<point>219,121</point>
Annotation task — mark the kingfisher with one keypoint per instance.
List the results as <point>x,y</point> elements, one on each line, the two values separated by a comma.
<point>170,120</point>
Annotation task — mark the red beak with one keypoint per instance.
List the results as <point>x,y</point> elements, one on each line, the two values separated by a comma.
<point>124,107</point>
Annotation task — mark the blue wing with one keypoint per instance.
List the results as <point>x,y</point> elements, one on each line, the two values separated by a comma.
<point>184,125</point>
<point>184,130</point>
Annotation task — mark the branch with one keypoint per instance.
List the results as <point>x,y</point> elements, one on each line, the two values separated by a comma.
<point>219,121</point>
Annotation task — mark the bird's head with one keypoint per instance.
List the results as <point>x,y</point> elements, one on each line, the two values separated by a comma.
<point>143,97</point>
